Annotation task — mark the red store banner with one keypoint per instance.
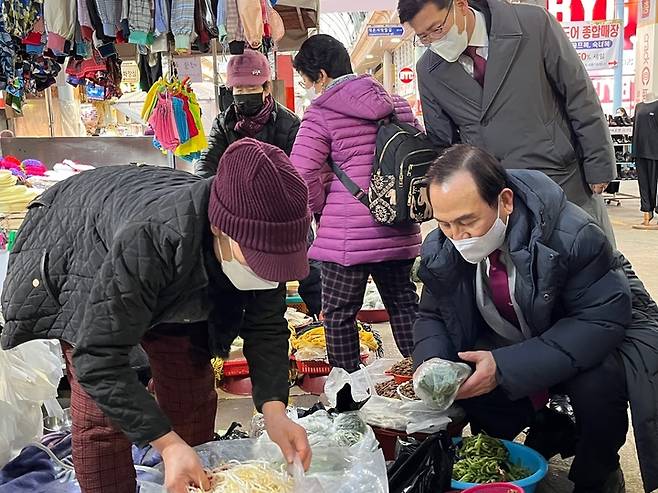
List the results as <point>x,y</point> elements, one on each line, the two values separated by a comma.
<point>596,10</point>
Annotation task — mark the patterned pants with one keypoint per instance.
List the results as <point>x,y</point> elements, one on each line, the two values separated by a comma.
<point>184,385</point>
<point>343,289</point>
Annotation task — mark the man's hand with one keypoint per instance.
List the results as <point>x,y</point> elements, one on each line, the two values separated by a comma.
<point>182,465</point>
<point>289,436</point>
<point>598,188</point>
<point>483,380</point>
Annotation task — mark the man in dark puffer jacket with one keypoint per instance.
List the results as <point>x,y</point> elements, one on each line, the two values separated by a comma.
<point>525,287</point>
<point>122,256</point>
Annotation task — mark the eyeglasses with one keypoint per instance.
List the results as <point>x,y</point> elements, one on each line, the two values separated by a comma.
<point>427,39</point>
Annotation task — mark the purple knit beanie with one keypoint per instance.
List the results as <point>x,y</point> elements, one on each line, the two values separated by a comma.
<point>251,68</point>
<point>261,202</point>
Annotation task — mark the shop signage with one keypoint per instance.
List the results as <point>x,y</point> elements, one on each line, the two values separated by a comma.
<point>605,88</point>
<point>189,67</point>
<point>597,10</point>
<point>648,12</point>
<point>129,72</point>
<point>596,42</point>
<point>646,65</point>
<point>407,75</point>
<point>384,30</point>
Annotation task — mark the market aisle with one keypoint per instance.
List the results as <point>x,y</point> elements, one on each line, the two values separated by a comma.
<point>638,246</point>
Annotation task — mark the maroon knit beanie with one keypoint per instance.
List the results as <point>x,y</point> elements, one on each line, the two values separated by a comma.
<point>252,68</point>
<point>261,202</point>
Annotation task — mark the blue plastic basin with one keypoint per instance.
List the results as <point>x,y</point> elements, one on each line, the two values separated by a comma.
<point>518,454</point>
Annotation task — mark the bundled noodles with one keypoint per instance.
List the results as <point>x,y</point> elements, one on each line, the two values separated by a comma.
<point>252,476</point>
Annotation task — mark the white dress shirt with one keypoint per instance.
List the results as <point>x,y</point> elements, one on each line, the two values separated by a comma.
<point>479,39</point>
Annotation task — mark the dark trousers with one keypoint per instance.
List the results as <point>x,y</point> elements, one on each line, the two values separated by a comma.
<point>647,176</point>
<point>599,399</point>
<point>184,386</point>
<point>343,289</point>
<point>310,289</point>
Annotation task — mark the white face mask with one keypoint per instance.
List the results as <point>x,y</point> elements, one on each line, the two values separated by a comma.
<point>476,249</point>
<point>453,44</point>
<point>242,277</point>
<point>311,93</point>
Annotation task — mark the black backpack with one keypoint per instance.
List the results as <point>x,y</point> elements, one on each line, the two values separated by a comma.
<point>398,191</point>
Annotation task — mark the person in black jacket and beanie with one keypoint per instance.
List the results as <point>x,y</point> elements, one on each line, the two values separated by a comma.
<point>524,286</point>
<point>122,256</point>
<point>256,114</point>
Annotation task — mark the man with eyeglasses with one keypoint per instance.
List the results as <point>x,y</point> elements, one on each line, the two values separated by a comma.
<point>504,77</point>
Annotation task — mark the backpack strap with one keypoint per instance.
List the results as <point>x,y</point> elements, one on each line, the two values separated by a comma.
<point>357,192</point>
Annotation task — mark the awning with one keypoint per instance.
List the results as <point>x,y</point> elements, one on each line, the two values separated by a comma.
<point>298,17</point>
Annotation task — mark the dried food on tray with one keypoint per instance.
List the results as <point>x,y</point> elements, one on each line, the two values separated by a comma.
<point>406,390</point>
<point>403,367</point>
<point>387,389</point>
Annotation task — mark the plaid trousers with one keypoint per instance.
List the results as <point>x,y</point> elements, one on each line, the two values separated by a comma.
<point>184,386</point>
<point>343,289</point>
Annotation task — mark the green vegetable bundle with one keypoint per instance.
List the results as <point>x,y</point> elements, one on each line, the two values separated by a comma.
<point>437,381</point>
<point>482,459</point>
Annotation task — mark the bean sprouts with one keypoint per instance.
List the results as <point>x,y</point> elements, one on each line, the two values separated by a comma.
<point>252,477</point>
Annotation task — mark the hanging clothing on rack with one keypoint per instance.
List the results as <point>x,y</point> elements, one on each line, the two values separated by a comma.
<point>60,17</point>
<point>141,21</point>
<point>182,24</point>
<point>20,16</point>
<point>172,110</point>
<point>251,17</point>
<point>221,20</point>
<point>7,56</point>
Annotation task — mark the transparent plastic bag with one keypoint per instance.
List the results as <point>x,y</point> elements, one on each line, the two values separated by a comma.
<point>311,353</point>
<point>333,470</point>
<point>437,381</point>
<point>29,376</point>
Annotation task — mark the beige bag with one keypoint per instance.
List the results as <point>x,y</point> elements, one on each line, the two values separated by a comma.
<point>251,17</point>
<point>276,24</point>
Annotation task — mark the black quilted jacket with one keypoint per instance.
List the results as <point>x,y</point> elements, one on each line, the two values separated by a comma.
<point>110,254</point>
<point>280,131</point>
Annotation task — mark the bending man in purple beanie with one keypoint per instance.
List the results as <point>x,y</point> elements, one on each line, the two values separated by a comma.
<point>122,256</point>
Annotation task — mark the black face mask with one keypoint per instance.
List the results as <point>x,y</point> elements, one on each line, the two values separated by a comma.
<point>249,104</point>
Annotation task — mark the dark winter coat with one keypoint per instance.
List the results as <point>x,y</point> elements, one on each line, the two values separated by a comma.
<point>280,131</point>
<point>113,253</point>
<point>573,293</point>
<point>537,110</point>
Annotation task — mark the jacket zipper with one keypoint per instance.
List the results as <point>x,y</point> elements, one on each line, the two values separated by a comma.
<point>381,158</point>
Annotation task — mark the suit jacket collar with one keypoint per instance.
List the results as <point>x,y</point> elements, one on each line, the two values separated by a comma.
<point>505,36</point>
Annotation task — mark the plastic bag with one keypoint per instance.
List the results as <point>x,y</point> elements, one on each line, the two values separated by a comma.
<point>360,385</point>
<point>421,467</point>
<point>29,376</point>
<point>383,412</point>
<point>437,381</point>
<point>335,470</point>
<point>372,300</point>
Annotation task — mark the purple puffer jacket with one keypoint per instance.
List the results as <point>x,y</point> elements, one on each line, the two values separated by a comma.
<point>342,122</point>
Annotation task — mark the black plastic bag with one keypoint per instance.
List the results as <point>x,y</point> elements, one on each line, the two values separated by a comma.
<point>422,467</point>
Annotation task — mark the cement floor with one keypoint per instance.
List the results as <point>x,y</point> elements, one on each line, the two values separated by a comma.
<point>640,248</point>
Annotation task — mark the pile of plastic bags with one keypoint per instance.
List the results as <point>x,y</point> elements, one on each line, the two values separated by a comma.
<point>29,376</point>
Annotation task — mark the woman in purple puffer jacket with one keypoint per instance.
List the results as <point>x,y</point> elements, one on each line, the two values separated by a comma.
<point>341,123</point>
